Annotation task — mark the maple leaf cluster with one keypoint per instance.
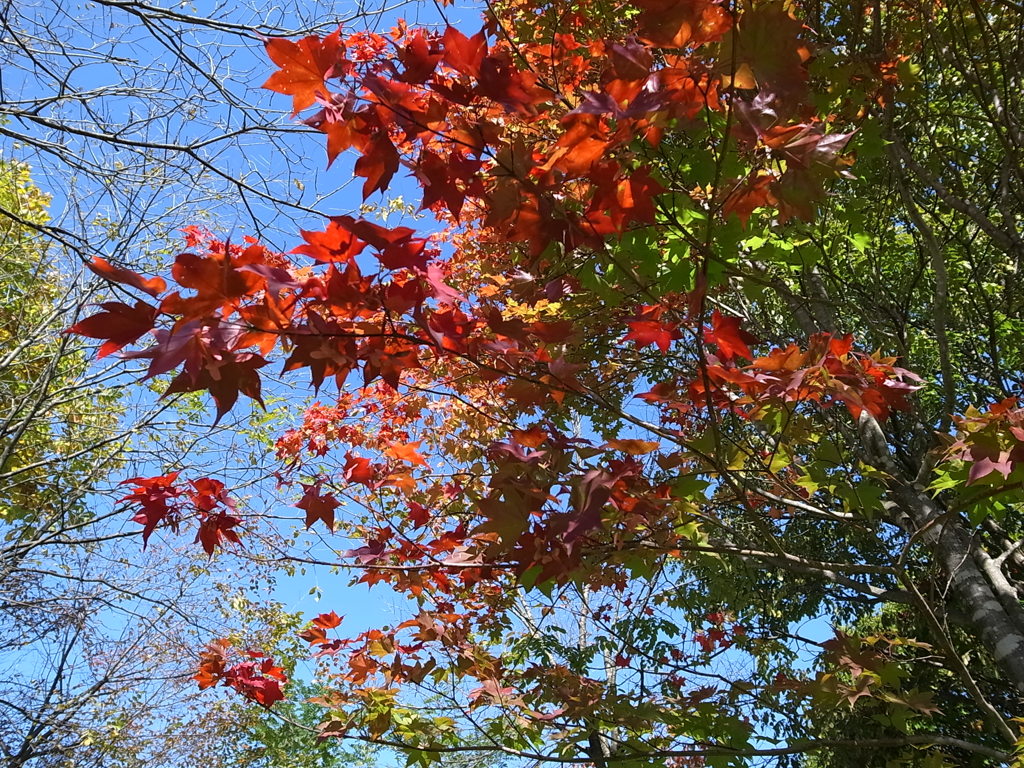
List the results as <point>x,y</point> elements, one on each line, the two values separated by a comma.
<point>991,443</point>
<point>544,161</point>
<point>161,502</point>
<point>471,346</point>
<point>828,371</point>
<point>258,679</point>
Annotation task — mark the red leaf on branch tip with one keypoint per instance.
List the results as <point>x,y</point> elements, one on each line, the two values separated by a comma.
<point>407,254</point>
<point>212,664</point>
<point>841,345</point>
<point>435,277</point>
<point>1004,406</point>
<point>420,56</point>
<point>322,347</point>
<point>388,361</point>
<point>464,54</point>
<point>515,89</point>
<point>706,643</point>
<point>647,332</point>
<point>318,506</point>
<point>313,635</point>
<point>327,620</point>
<point>583,143</point>
<point>154,286</point>
<point>418,514</point>
<point>335,244</point>
<point>439,177</point>
<point>648,328</point>
<point>725,332</point>
<point>207,494</point>
<point>377,164</point>
<point>304,66</point>
<point>635,195</point>
<point>592,493</point>
<point>259,681</point>
<point>986,465</point>
<point>218,278</point>
<point>377,236</point>
<point>533,437</point>
<point>216,529</point>
<point>118,323</point>
<point>157,497</point>
<point>358,469</point>
<point>224,375</point>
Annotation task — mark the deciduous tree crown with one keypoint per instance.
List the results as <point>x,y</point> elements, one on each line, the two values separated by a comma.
<point>719,331</point>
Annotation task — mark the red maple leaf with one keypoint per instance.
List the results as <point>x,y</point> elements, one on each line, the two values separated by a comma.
<point>215,529</point>
<point>118,323</point>
<point>377,236</point>
<point>501,81</point>
<point>406,452</point>
<point>420,56</point>
<point>378,164</point>
<point>158,499</point>
<point>224,374</point>
<point>464,54</point>
<point>207,494</point>
<point>725,332</point>
<point>358,469</point>
<point>648,328</point>
<point>584,142</point>
<point>841,345</point>
<point>447,179</point>
<point>327,620</point>
<point>418,514</point>
<point>259,679</point>
<point>682,23</point>
<point>706,643</point>
<point>388,361</point>
<point>219,279</point>
<point>212,664</point>
<point>753,193</point>
<point>318,506</point>
<point>336,243</point>
<point>323,347</point>
<point>767,53</point>
<point>407,254</point>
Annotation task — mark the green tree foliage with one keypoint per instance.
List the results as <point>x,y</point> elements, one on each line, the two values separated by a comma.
<point>55,432</point>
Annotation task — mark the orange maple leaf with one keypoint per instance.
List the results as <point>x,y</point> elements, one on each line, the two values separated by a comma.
<point>305,66</point>
<point>406,452</point>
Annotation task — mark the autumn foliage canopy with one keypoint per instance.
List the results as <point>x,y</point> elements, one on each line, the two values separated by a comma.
<point>602,422</point>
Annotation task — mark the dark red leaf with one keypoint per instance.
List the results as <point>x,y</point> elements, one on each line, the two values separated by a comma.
<point>318,506</point>
<point>118,323</point>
